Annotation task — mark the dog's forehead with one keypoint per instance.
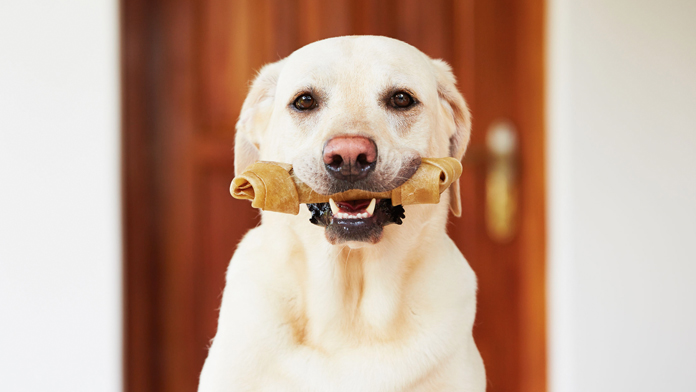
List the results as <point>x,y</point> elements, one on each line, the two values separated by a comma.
<point>369,60</point>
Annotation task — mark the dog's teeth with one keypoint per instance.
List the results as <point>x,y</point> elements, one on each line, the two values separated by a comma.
<point>345,215</point>
<point>371,207</point>
<point>334,207</point>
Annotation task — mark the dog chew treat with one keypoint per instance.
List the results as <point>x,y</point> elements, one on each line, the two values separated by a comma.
<point>273,186</point>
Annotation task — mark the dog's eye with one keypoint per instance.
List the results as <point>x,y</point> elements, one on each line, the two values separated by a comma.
<point>401,100</point>
<point>305,102</point>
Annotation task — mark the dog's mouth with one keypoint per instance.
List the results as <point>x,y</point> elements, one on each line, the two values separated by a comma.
<point>355,220</point>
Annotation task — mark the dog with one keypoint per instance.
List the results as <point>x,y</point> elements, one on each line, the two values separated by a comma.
<point>353,302</point>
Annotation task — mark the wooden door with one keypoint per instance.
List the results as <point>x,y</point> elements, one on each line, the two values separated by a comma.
<point>186,69</point>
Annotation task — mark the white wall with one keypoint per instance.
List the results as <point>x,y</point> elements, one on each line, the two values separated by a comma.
<point>60,252</point>
<point>622,165</point>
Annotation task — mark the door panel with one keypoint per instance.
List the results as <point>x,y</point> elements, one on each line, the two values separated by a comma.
<point>186,71</point>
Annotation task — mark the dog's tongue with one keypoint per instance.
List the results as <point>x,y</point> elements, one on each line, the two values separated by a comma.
<point>354,205</point>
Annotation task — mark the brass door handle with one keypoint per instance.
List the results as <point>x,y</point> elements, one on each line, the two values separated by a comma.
<point>502,171</point>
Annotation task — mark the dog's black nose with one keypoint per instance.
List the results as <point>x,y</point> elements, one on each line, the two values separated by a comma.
<point>350,158</point>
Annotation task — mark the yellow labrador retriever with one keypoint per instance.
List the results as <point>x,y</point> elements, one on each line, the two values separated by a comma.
<point>360,295</point>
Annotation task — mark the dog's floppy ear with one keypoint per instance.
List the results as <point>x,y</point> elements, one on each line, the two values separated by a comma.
<point>254,117</point>
<point>459,123</point>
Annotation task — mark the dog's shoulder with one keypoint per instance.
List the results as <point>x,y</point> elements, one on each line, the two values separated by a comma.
<point>261,262</point>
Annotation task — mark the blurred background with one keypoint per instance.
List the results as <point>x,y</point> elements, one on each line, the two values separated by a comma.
<point>116,226</point>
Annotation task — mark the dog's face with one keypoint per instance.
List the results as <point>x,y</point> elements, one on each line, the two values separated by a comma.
<point>353,113</point>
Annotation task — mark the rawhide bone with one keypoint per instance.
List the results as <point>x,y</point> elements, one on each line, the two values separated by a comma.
<point>273,186</point>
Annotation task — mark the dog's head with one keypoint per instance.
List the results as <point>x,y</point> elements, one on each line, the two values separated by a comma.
<point>354,113</point>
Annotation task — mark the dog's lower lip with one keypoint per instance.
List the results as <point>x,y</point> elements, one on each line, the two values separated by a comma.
<point>369,229</point>
<point>339,227</point>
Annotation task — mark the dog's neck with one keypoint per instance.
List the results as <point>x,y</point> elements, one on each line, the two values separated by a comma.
<point>353,295</point>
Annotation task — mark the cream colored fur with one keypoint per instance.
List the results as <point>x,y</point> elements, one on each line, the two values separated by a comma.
<point>300,314</point>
